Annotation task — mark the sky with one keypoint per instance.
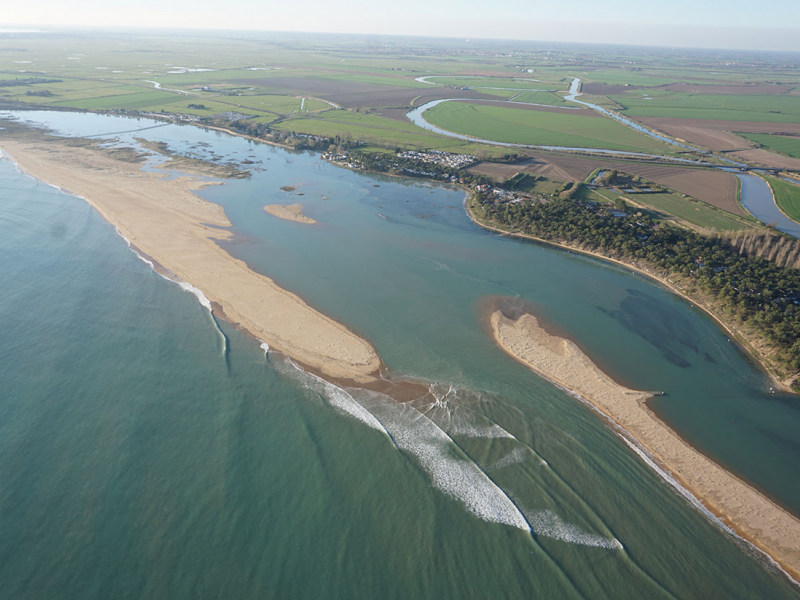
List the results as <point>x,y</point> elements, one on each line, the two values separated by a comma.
<point>738,24</point>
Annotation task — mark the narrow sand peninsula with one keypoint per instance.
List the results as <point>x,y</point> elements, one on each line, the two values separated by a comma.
<point>751,514</point>
<point>293,212</point>
<point>175,227</point>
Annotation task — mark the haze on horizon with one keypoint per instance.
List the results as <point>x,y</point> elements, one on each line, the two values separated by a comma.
<point>731,24</point>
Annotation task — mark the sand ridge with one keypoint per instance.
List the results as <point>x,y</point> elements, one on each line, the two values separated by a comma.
<point>178,229</point>
<point>292,212</point>
<point>748,512</point>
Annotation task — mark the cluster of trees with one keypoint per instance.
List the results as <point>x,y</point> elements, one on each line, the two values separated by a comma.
<point>27,81</point>
<point>752,290</point>
<point>779,249</point>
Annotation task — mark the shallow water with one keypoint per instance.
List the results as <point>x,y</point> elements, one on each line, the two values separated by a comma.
<point>146,455</point>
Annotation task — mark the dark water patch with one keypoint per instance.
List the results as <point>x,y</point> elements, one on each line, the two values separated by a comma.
<point>783,442</point>
<point>662,326</point>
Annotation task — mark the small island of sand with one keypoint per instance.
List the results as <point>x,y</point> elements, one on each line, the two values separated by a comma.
<point>292,212</point>
<point>747,511</point>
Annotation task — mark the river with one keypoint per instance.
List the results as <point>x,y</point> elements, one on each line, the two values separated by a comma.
<point>144,455</point>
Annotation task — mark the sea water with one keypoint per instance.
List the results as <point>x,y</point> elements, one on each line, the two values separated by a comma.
<point>147,450</point>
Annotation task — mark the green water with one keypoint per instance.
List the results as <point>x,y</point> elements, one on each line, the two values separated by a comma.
<point>146,453</point>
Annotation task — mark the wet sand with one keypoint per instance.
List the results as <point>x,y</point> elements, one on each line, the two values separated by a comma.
<point>177,229</point>
<point>749,513</point>
<point>292,212</point>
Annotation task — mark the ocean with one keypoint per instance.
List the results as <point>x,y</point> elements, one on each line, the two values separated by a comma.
<point>150,449</point>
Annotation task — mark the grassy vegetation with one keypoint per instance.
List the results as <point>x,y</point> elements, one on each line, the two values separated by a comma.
<point>368,120</point>
<point>377,131</point>
<point>274,71</point>
<point>724,107</point>
<point>787,196</point>
<point>136,101</point>
<point>696,213</point>
<point>779,143</point>
<point>540,98</point>
<point>520,126</point>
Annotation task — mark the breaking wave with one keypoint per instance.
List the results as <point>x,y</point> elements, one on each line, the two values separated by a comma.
<point>337,397</point>
<point>451,471</point>
<point>517,455</point>
<point>546,523</point>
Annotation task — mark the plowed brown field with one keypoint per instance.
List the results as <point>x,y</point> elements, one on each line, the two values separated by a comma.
<point>715,134</point>
<point>714,187</point>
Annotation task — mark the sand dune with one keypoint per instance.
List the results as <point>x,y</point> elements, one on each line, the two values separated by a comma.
<point>176,228</point>
<point>744,509</point>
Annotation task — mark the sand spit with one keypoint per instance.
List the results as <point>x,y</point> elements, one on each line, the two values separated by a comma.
<point>177,229</point>
<point>745,510</point>
<point>293,212</point>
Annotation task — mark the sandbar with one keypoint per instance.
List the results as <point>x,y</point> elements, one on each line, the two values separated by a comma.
<point>292,212</point>
<point>165,220</point>
<point>744,509</point>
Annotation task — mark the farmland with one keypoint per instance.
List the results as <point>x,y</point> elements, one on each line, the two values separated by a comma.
<point>787,196</point>
<point>539,98</point>
<point>781,108</point>
<point>356,90</point>
<point>533,127</point>
<point>670,206</point>
<point>789,145</point>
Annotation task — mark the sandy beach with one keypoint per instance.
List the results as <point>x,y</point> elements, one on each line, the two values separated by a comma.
<point>292,212</point>
<point>177,229</point>
<point>748,512</point>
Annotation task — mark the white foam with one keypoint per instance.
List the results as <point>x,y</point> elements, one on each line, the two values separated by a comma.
<point>546,523</point>
<point>188,287</point>
<point>459,478</point>
<point>449,413</point>
<point>265,347</point>
<point>128,242</point>
<point>337,397</point>
<point>460,427</point>
<point>517,455</point>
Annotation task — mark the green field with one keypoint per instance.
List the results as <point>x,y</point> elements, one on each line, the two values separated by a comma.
<point>694,212</point>
<point>379,131</point>
<point>267,76</point>
<point>520,126</point>
<point>787,196</point>
<point>724,107</point>
<point>539,98</point>
<point>779,143</point>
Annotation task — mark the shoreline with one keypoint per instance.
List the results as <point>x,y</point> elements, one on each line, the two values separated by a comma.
<point>738,506</point>
<point>175,228</point>
<point>737,336</point>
